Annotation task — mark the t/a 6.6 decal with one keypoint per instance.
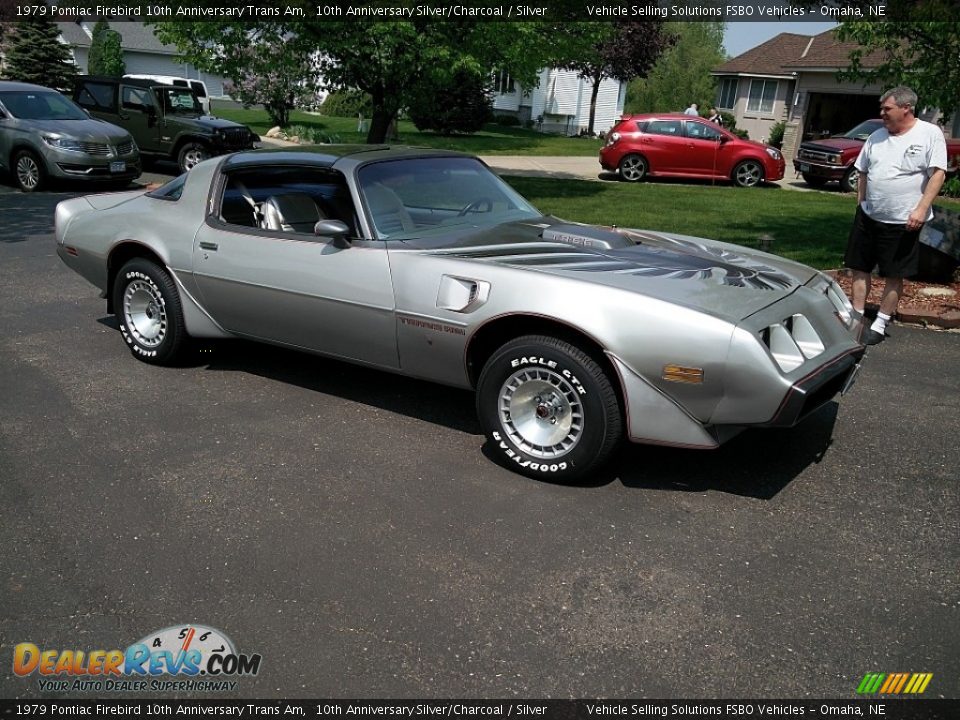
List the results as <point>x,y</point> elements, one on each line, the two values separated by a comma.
<point>176,658</point>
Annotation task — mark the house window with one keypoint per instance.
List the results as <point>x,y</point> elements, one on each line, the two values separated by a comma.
<point>728,94</point>
<point>762,95</point>
<point>503,83</point>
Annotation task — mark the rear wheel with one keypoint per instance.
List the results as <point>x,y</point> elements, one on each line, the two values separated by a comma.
<point>814,180</point>
<point>849,181</point>
<point>548,409</point>
<point>633,168</point>
<point>28,171</point>
<point>749,173</point>
<point>148,307</point>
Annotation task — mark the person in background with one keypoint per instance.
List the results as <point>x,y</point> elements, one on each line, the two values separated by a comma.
<point>902,167</point>
<point>692,110</point>
<point>714,117</point>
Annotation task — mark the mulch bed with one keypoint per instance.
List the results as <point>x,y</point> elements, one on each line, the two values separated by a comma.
<point>916,307</point>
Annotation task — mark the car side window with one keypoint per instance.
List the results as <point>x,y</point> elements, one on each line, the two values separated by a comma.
<point>702,131</point>
<point>98,96</point>
<point>134,98</point>
<point>287,200</point>
<point>672,128</point>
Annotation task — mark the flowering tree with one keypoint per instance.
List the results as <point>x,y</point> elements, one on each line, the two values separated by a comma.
<point>270,72</point>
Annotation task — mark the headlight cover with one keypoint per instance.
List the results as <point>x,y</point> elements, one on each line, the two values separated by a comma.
<point>62,143</point>
<point>773,152</point>
<point>841,304</point>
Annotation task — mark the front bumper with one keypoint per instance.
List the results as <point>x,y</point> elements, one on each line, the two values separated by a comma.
<point>83,167</point>
<point>820,170</point>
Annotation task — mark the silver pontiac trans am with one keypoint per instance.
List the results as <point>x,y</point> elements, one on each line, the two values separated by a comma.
<point>426,263</point>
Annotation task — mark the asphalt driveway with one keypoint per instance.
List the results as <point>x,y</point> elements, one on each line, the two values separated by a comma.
<point>347,525</point>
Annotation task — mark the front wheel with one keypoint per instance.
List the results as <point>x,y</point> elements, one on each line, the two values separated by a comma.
<point>28,171</point>
<point>749,173</point>
<point>548,409</point>
<point>191,155</point>
<point>148,307</point>
<point>850,180</point>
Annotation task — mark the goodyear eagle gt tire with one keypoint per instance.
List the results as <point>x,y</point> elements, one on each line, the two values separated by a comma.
<point>548,409</point>
<point>148,307</point>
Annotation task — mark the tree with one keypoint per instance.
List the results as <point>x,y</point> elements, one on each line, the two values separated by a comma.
<point>452,102</point>
<point>623,51</point>
<point>383,59</point>
<point>682,74</point>
<point>923,55</point>
<point>36,55</point>
<point>106,52</point>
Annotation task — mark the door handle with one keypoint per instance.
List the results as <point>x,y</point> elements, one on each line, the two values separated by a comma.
<point>213,247</point>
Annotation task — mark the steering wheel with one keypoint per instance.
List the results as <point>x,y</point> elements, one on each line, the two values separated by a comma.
<point>481,204</point>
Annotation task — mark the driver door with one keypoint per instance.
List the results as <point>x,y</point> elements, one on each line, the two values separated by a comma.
<point>290,287</point>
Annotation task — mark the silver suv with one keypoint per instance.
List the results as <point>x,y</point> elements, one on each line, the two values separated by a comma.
<point>46,135</point>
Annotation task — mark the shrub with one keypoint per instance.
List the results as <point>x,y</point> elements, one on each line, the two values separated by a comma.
<point>775,137</point>
<point>312,136</point>
<point>458,103</point>
<point>507,120</point>
<point>347,103</point>
<point>951,188</point>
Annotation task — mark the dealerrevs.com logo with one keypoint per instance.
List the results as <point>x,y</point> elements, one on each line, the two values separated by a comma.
<point>177,658</point>
<point>894,683</point>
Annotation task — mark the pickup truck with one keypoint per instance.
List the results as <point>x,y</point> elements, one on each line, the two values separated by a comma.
<point>821,161</point>
<point>166,121</point>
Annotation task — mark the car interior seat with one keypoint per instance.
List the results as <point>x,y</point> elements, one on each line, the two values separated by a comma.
<point>389,214</point>
<point>292,212</point>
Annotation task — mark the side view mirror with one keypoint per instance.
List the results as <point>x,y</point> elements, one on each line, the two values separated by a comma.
<point>724,139</point>
<point>336,229</point>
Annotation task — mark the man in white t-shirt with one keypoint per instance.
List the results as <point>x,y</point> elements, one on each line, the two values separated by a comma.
<point>902,167</point>
<point>694,110</point>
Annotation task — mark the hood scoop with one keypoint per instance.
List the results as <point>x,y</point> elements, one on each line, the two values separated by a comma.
<point>586,236</point>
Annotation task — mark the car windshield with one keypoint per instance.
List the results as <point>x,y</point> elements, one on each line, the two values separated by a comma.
<point>864,130</point>
<point>40,105</point>
<point>179,100</point>
<point>419,197</point>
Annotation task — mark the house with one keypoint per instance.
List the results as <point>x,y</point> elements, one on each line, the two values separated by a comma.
<point>143,53</point>
<point>560,103</point>
<point>793,78</point>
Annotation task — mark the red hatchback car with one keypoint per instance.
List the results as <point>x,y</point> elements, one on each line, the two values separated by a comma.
<point>674,145</point>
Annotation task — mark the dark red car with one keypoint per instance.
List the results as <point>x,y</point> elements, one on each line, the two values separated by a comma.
<point>675,145</point>
<point>822,161</point>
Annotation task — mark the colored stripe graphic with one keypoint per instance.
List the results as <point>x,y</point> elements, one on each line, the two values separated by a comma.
<point>894,683</point>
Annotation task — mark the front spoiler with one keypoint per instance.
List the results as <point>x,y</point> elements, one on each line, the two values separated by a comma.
<point>816,389</point>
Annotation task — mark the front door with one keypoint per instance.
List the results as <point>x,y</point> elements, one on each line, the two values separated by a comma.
<point>289,286</point>
<point>704,152</point>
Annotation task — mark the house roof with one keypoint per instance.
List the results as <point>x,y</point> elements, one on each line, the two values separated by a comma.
<point>789,52</point>
<point>134,36</point>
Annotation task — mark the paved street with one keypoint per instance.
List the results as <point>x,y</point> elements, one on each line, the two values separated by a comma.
<point>347,525</point>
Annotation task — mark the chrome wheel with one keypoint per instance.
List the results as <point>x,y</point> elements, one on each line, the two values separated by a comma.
<point>28,172</point>
<point>748,174</point>
<point>633,168</point>
<point>145,313</point>
<point>541,412</point>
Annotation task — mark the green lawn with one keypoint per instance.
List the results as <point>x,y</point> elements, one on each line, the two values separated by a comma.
<point>492,140</point>
<point>810,227</point>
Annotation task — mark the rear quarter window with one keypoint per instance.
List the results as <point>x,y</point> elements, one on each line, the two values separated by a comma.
<point>98,96</point>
